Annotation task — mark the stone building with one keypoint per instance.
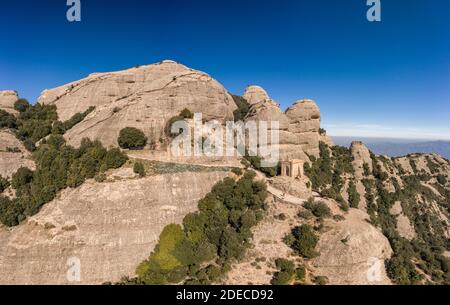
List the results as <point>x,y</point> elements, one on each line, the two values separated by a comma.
<point>293,168</point>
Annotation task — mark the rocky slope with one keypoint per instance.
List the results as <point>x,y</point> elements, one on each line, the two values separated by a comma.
<point>13,154</point>
<point>110,227</point>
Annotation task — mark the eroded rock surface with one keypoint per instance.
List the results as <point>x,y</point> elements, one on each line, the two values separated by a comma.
<point>7,100</point>
<point>144,97</point>
<point>13,154</point>
<point>109,227</point>
<point>353,252</point>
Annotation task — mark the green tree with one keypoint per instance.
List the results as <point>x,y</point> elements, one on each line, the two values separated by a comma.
<point>139,169</point>
<point>303,241</point>
<point>132,138</point>
<point>353,196</point>
<point>4,184</point>
<point>22,105</point>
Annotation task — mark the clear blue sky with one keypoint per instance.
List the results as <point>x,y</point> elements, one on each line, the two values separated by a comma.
<point>370,79</point>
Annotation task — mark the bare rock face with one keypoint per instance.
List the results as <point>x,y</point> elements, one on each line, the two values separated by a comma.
<point>299,126</point>
<point>109,228</point>
<point>353,252</point>
<point>361,156</point>
<point>7,100</point>
<point>294,187</point>
<point>268,111</point>
<point>144,97</point>
<point>13,154</point>
<point>255,95</point>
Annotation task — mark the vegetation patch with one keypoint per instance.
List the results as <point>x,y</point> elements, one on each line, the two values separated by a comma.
<point>58,166</point>
<point>203,248</point>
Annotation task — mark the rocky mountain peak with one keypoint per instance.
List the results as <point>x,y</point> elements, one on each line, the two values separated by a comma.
<point>255,95</point>
<point>144,97</point>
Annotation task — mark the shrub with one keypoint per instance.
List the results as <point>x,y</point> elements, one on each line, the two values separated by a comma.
<point>184,115</point>
<point>187,114</point>
<point>22,178</point>
<point>442,179</point>
<point>57,166</point>
<point>139,169</point>
<point>282,278</point>
<point>7,120</point>
<point>255,161</point>
<point>237,171</point>
<point>305,214</point>
<point>286,272</point>
<point>303,241</point>
<point>22,105</point>
<point>132,138</point>
<point>243,108</point>
<point>283,264</point>
<point>300,273</point>
<point>4,184</point>
<point>319,209</point>
<point>353,196</point>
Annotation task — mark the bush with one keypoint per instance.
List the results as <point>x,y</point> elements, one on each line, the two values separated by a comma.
<point>243,108</point>
<point>184,115</point>
<point>284,264</point>
<point>237,171</point>
<point>255,161</point>
<point>282,278</point>
<point>442,179</point>
<point>303,241</point>
<point>22,178</point>
<point>57,166</point>
<point>132,138</point>
<point>300,273</point>
<point>22,105</point>
<point>319,209</point>
<point>353,196</point>
<point>4,184</point>
<point>286,272</point>
<point>139,169</point>
<point>187,114</point>
<point>7,120</point>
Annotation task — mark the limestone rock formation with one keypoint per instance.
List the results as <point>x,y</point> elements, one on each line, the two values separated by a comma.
<point>13,154</point>
<point>353,252</point>
<point>299,126</point>
<point>294,187</point>
<point>109,227</point>
<point>144,97</point>
<point>7,100</point>
<point>361,156</point>
<point>255,95</point>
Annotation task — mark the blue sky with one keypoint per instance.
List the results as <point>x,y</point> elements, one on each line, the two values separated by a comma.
<point>386,79</point>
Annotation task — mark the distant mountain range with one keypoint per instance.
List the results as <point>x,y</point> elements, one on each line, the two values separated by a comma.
<point>398,147</point>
